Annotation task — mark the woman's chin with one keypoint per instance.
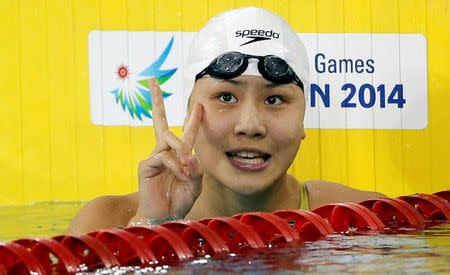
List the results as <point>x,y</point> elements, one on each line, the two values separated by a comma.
<point>247,187</point>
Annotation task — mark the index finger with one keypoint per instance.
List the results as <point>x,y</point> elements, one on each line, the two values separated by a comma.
<point>192,126</point>
<point>158,110</point>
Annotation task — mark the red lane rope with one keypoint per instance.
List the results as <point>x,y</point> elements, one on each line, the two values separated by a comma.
<point>177,241</point>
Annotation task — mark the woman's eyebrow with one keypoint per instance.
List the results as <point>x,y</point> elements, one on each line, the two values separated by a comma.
<point>238,82</point>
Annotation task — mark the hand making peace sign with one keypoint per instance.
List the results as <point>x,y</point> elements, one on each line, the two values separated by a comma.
<point>170,180</point>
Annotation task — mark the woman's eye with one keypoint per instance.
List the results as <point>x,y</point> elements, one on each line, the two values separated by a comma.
<point>273,100</point>
<point>227,98</point>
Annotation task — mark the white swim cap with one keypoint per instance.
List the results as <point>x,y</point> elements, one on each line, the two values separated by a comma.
<point>248,30</point>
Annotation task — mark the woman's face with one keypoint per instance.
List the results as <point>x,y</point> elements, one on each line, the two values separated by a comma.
<point>250,132</point>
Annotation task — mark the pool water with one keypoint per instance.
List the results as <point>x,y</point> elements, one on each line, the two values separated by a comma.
<point>423,251</point>
<point>44,219</point>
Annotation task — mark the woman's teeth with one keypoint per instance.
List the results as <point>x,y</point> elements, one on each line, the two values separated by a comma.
<point>248,160</point>
<point>248,154</point>
<point>249,157</point>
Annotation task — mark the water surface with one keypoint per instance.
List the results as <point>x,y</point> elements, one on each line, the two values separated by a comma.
<point>415,252</point>
<point>44,219</point>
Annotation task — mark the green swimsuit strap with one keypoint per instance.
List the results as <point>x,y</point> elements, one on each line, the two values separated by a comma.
<point>304,201</point>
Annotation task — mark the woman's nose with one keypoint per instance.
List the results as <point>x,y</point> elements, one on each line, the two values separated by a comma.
<point>250,122</point>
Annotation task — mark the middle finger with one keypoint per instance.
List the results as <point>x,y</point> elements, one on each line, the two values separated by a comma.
<point>192,126</point>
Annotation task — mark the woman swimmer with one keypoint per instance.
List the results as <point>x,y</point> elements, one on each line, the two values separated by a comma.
<point>249,72</point>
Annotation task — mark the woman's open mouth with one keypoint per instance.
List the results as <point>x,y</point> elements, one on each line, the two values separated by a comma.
<point>248,160</point>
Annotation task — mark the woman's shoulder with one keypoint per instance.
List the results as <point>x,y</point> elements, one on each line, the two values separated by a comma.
<point>325,192</point>
<point>104,212</point>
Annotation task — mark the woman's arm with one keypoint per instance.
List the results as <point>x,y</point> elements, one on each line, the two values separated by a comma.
<point>104,212</point>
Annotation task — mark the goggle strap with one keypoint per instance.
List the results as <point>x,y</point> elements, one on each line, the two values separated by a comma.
<point>244,64</point>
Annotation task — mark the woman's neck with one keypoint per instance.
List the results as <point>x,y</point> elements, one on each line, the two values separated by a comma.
<point>218,200</point>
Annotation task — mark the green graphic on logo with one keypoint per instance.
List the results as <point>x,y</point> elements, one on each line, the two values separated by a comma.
<point>135,99</point>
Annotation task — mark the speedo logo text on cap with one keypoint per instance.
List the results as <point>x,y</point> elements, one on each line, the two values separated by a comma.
<point>257,35</point>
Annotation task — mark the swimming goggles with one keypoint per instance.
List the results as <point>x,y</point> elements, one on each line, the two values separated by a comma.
<point>232,64</point>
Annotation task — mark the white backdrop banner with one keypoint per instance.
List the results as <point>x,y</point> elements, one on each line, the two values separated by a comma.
<point>358,81</point>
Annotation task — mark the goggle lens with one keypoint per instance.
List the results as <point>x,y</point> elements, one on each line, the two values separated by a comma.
<point>275,65</point>
<point>229,63</point>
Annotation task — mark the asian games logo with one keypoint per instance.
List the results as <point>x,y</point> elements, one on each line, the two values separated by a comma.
<point>134,93</point>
